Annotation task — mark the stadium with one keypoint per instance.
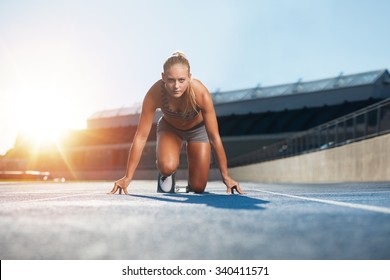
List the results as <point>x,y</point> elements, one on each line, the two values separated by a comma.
<point>257,125</point>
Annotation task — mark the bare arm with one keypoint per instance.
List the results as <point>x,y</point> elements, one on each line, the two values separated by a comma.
<point>208,112</point>
<point>144,126</point>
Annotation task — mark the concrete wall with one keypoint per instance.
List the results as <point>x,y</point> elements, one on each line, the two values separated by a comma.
<point>364,161</point>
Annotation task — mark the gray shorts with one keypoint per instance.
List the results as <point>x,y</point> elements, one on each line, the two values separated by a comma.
<point>196,134</point>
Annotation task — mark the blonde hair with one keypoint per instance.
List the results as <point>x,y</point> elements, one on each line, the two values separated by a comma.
<point>180,58</point>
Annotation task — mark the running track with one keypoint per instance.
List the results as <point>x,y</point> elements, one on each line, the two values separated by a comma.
<point>79,220</point>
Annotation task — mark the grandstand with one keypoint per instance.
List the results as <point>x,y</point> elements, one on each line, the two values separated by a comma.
<point>249,120</point>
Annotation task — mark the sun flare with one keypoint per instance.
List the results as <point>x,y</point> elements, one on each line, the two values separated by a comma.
<point>41,118</point>
<point>42,134</point>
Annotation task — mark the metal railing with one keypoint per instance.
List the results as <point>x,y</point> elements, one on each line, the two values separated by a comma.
<point>368,122</point>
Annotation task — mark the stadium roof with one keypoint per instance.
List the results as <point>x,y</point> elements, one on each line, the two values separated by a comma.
<point>124,111</point>
<point>338,82</point>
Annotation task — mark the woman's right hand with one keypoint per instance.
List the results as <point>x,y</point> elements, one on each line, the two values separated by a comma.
<point>120,185</point>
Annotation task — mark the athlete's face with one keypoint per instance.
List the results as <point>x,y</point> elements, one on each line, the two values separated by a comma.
<point>176,79</point>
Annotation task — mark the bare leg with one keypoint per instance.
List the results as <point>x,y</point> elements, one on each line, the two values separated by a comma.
<point>168,152</point>
<point>198,155</point>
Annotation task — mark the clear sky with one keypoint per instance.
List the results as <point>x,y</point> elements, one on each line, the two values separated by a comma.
<point>61,61</point>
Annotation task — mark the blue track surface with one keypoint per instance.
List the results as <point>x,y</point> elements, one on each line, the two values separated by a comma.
<point>273,221</point>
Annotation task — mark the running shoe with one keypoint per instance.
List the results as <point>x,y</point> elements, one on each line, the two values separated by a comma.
<point>166,184</point>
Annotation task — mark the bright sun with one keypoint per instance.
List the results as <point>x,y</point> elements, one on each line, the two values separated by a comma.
<point>47,91</point>
<point>41,118</point>
<point>42,132</point>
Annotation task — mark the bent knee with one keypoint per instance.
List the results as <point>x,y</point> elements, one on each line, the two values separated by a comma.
<point>167,168</point>
<point>198,187</point>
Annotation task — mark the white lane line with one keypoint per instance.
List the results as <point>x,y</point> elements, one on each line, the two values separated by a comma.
<point>373,208</point>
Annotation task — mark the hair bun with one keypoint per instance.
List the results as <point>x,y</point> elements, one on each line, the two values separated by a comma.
<point>176,57</point>
<point>179,53</point>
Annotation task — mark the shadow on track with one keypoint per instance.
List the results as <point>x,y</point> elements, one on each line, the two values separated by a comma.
<point>238,202</point>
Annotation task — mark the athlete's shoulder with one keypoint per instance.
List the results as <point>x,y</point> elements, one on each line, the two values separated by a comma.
<point>200,89</point>
<point>156,87</point>
<point>203,96</point>
<point>198,85</point>
<point>153,95</point>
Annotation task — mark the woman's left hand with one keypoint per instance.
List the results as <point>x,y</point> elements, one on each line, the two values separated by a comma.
<point>233,186</point>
